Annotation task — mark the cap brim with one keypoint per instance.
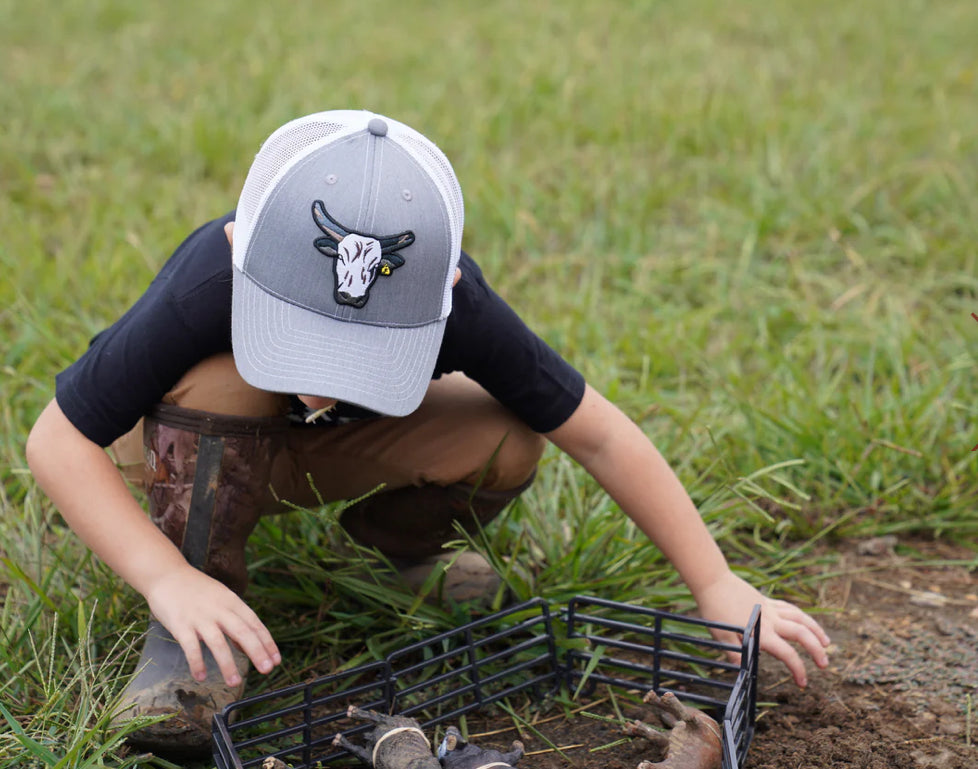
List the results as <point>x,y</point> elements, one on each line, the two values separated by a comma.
<point>281,347</point>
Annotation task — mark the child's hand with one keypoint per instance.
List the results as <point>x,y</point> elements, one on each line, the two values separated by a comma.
<point>195,608</point>
<point>731,600</point>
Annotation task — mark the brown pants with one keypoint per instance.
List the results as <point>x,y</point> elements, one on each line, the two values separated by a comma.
<point>459,434</point>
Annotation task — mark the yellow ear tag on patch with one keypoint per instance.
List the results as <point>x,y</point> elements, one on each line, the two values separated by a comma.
<point>385,270</point>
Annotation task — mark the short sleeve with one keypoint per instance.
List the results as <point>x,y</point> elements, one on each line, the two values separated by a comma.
<point>488,341</point>
<point>182,318</point>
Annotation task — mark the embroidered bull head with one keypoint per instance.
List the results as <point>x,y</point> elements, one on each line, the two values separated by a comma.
<point>358,258</point>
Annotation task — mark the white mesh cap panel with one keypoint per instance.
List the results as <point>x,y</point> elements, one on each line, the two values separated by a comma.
<point>276,154</point>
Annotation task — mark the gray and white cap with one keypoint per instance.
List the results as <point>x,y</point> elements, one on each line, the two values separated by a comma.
<point>347,237</point>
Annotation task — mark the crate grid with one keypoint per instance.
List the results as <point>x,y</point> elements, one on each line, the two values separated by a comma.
<point>527,648</point>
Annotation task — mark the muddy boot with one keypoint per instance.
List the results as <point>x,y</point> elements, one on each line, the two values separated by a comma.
<point>410,525</point>
<point>469,577</point>
<point>207,478</point>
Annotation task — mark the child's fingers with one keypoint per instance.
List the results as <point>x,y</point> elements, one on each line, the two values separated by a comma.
<point>771,642</point>
<point>190,644</point>
<point>786,626</point>
<point>812,624</point>
<point>801,635</point>
<point>794,624</point>
<point>197,609</point>
<point>217,642</point>
<point>253,638</point>
<point>785,652</point>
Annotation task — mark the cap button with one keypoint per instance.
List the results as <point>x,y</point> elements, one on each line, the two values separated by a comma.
<point>377,127</point>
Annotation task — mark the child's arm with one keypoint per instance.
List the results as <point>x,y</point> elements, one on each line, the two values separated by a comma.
<point>87,488</point>
<point>615,451</point>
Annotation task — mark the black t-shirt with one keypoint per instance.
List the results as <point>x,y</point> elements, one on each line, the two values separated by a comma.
<point>185,316</point>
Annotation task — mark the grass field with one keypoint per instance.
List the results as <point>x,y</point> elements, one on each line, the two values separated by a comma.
<point>750,224</point>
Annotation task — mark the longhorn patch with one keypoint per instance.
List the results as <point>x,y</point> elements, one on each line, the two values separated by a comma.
<point>358,258</point>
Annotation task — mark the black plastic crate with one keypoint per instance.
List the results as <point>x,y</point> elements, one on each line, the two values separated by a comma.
<point>525,651</point>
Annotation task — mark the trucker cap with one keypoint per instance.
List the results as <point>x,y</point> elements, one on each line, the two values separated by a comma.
<point>347,236</point>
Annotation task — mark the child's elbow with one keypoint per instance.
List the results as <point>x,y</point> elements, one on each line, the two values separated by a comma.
<point>40,438</point>
<point>32,449</point>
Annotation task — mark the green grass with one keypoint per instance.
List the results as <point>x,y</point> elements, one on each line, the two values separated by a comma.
<point>750,224</point>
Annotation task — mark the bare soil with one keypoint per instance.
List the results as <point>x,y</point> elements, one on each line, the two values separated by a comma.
<point>901,691</point>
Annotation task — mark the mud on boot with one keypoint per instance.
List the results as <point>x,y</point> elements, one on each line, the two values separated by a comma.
<point>468,577</point>
<point>164,686</point>
<point>206,481</point>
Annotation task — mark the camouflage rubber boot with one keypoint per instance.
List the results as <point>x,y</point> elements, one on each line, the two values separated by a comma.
<point>410,525</point>
<point>207,478</point>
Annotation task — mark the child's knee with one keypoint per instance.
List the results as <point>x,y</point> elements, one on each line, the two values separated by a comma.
<point>214,385</point>
<point>514,461</point>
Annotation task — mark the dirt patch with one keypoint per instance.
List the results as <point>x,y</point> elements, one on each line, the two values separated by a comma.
<point>902,689</point>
